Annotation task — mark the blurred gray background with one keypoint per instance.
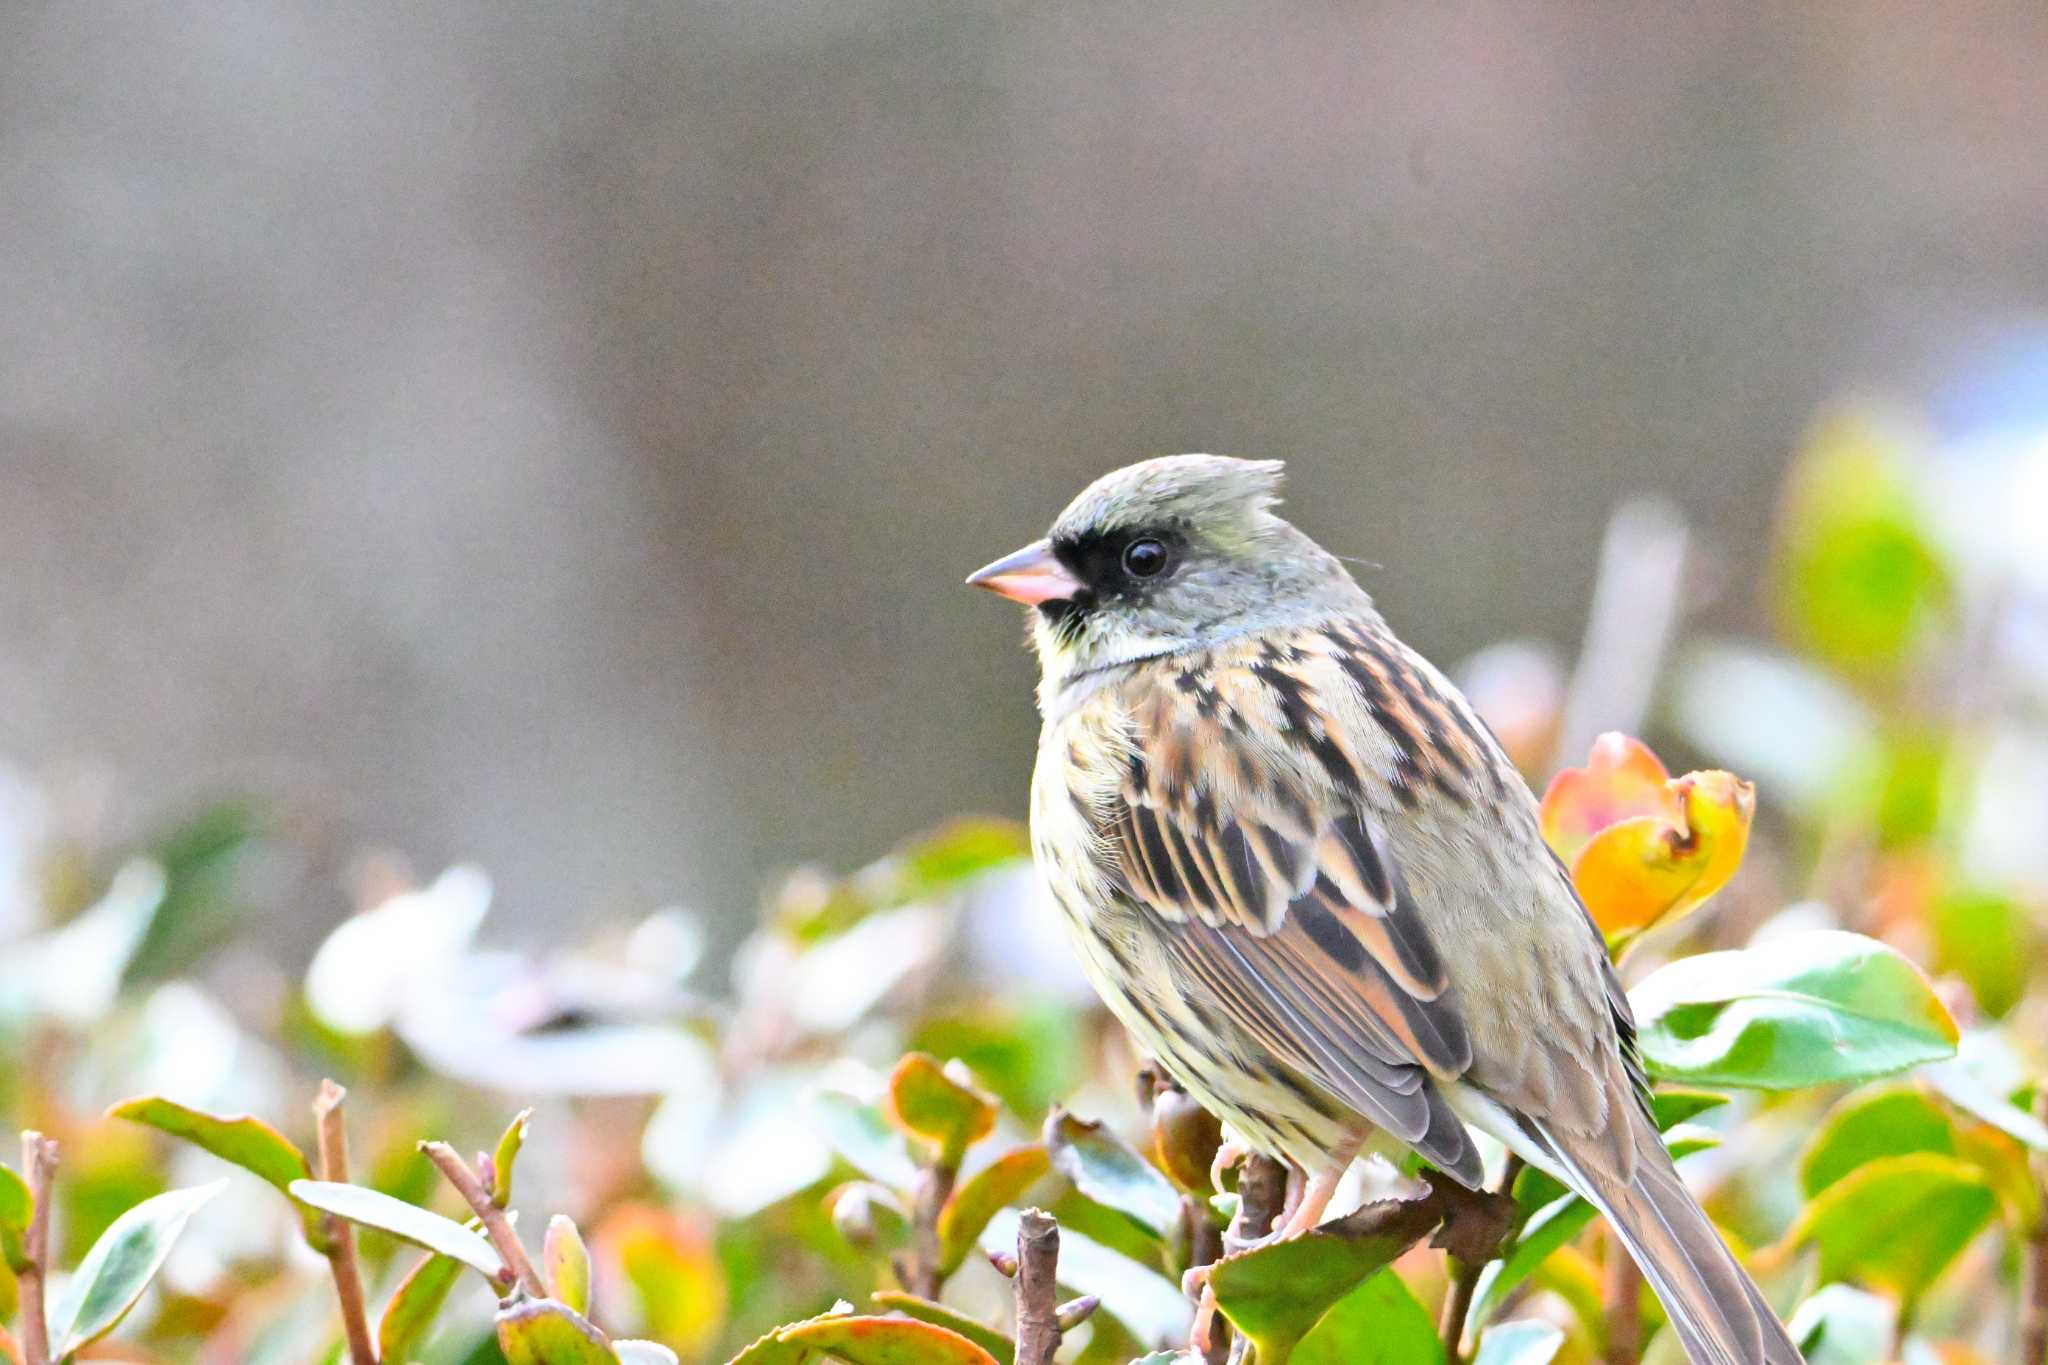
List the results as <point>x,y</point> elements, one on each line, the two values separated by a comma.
<point>555,435</point>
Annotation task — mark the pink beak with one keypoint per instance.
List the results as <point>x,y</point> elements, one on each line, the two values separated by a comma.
<point>1031,575</point>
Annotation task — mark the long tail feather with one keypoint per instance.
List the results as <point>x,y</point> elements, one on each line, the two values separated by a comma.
<point>1719,1313</point>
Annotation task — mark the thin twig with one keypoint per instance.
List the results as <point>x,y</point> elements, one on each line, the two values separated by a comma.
<point>934,1188</point>
<point>2034,1293</point>
<point>496,1226</point>
<point>1622,1304</point>
<point>1261,1194</point>
<point>1465,1272</point>
<point>1038,1256</point>
<point>341,1234</point>
<point>39,1165</point>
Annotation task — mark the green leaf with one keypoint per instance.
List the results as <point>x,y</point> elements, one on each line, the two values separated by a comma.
<point>1111,1174</point>
<point>1840,1325</point>
<point>544,1332</point>
<point>939,1104</point>
<point>1896,1222</point>
<point>1519,1343</point>
<point>1378,1323</point>
<point>643,1353</point>
<point>1857,576</point>
<point>1988,940</point>
<point>964,849</point>
<point>507,1156</point>
<point>980,1333</point>
<point>1872,1124</point>
<point>1803,1010</point>
<point>566,1262</point>
<point>1276,1294</point>
<point>1000,1183</point>
<point>407,1222</point>
<point>120,1266</point>
<point>414,1305</point>
<point>242,1140</point>
<point>1671,1105</point>
<point>17,1205</point>
<point>885,1341</point>
<point>859,1133</point>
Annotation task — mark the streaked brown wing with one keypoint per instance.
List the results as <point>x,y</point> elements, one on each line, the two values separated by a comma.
<point>1297,919</point>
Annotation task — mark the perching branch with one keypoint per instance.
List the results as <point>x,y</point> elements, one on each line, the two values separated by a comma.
<point>920,1270</point>
<point>1465,1272</point>
<point>341,1234</point>
<point>1038,1255</point>
<point>496,1226</point>
<point>39,1167</point>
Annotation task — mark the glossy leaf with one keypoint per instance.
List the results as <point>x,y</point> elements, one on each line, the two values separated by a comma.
<point>241,1140</point>
<point>1110,1173</point>
<point>1000,1183</point>
<point>1897,1222</point>
<point>407,1222</point>
<point>863,1136</point>
<point>1642,847</point>
<point>1185,1139</point>
<point>1378,1323</point>
<point>1519,1343</point>
<point>939,1105</point>
<point>414,1305</point>
<point>120,1266</point>
<point>1807,1009</point>
<point>566,1263</point>
<point>980,1333</point>
<point>1870,1125</point>
<point>1277,1293</point>
<point>506,1156</point>
<point>544,1332</point>
<point>885,1341</point>
<point>1954,1082</point>
<point>1841,1325</point>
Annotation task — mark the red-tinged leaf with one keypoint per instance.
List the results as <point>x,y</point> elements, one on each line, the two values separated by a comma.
<point>544,1332</point>
<point>939,1104</point>
<point>885,1341</point>
<point>980,1333</point>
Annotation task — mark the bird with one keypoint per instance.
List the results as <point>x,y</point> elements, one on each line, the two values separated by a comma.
<point>1302,873</point>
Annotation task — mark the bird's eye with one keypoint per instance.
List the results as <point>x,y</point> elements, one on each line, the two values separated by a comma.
<point>1144,558</point>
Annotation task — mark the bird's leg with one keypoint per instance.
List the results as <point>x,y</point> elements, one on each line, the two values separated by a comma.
<point>1306,1205</point>
<point>1297,1186</point>
<point>1227,1155</point>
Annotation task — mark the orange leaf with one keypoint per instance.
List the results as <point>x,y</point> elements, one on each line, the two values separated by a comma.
<point>1653,867</point>
<point>1621,779</point>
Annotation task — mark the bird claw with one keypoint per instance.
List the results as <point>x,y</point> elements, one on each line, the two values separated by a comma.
<point>1227,1155</point>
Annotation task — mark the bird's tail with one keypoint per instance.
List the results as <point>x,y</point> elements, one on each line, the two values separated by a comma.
<point>1719,1313</point>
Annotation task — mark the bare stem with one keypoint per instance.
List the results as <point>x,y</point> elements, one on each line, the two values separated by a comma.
<point>1261,1194</point>
<point>496,1226</point>
<point>341,1234</point>
<point>2034,1293</point>
<point>934,1188</point>
<point>1621,1299</point>
<point>1038,1256</point>
<point>39,1165</point>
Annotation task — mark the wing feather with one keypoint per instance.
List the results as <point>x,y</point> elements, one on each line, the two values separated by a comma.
<point>1287,905</point>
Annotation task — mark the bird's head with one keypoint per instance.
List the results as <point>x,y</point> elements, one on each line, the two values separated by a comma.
<point>1167,555</point>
